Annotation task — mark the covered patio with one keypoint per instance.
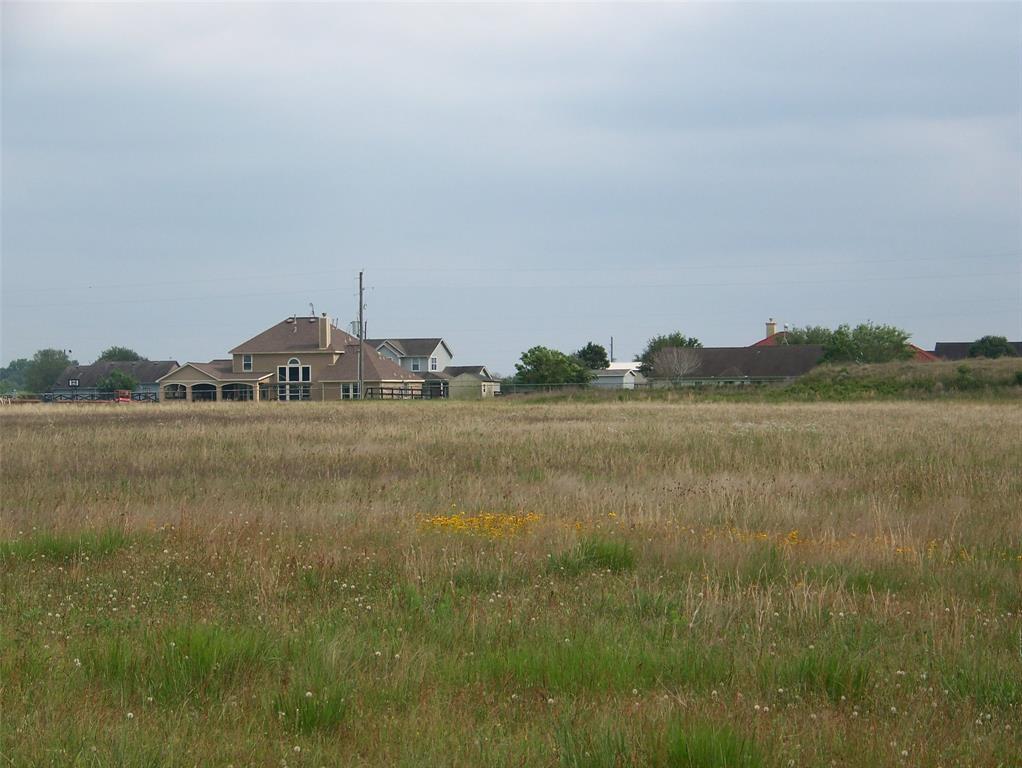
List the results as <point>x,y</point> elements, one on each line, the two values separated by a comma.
<point>210,382</point>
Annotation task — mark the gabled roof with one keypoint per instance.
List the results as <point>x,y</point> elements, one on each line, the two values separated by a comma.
<point>479,371</point>
<point>295,334</point>
<point>412,347</point>
<point>143,371</point>
<point>392,344</point>
<point>959,350</point>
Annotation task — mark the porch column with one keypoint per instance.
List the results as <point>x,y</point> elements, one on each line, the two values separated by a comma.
<point>188,392</point>
<point>255,392</point>
<point>219,392</point>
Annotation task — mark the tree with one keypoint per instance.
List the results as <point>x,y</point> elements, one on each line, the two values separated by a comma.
<point>116,380</point>
<point>654,345</point>
<point>12,377</point>
<point>676,362</point>
<point>867,343</point>
<point>809,334</point>
<point>593,356</point>
<point>46,365</point>
<point>992,347</point>
<point>541,365</point>
<point>119,355</point>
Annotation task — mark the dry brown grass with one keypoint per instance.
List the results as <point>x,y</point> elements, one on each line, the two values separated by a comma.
<point>832,583</point>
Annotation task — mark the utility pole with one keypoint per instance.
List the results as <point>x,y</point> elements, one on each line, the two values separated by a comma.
<point>612,349</point>
<point>361,334</point>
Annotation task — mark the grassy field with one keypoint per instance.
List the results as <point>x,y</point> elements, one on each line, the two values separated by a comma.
<point>517,583</point>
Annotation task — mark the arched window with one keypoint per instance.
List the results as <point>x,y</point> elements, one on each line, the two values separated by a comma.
<point>293,380</point>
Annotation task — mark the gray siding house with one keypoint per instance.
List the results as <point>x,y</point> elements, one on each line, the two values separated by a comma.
<point>415,355</point>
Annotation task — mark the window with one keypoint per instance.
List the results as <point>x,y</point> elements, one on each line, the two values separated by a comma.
<point>293,380</point>
<point>246,363</point>
<point>432,363</point>
<point>415,364</point>
<point>349,391</point>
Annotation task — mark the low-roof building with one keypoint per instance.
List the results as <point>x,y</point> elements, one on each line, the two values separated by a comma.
<point>615,378</point>
<point>87,378</point>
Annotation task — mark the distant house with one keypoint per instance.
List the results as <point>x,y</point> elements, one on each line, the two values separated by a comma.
<point>959,350</point>
<point>88,377</point>
<point>415,355</point>
<point>615,378</point>
<point>300,358</point>
<point>471,382</point>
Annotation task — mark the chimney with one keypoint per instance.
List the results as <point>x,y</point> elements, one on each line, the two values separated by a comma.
<point>324,332</point>
<point>771,327</point>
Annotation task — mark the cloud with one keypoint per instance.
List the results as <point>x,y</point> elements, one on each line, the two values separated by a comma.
<point>255,143</point>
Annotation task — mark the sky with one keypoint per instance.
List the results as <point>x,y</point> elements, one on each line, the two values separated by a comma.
<point>176,177</point>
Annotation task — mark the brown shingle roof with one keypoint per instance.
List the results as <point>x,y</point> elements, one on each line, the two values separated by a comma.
<point>755,362</point>
<point>143,371</point>
<point>297,334</point>
<point>479,371</point>
<point>375,367</point>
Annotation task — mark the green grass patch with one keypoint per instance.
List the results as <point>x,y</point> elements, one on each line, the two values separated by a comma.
<point>860,580</point>
<point>606,663</point>
<point>832,673</point>
<point>579,749</point>
<point>710,746</point>
<point>305,709</point>
<point>64,546</point>
<point>184,662</point>
<point>991,682</point>
<point>594,554</point>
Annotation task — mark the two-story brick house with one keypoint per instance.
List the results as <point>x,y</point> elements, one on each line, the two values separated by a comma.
<point>300,358</point>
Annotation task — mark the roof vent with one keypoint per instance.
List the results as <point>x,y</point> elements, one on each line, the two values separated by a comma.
<point>290,320</point>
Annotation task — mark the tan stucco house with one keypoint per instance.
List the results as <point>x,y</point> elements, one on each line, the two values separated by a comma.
<point>300,358</point>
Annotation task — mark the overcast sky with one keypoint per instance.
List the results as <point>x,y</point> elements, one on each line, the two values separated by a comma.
<point>177,177</point>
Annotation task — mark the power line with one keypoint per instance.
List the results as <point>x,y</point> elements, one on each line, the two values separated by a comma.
<point>547,286</point>
<point>545,270</point>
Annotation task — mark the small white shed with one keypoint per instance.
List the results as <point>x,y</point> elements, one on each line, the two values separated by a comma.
<point>614,378</point>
